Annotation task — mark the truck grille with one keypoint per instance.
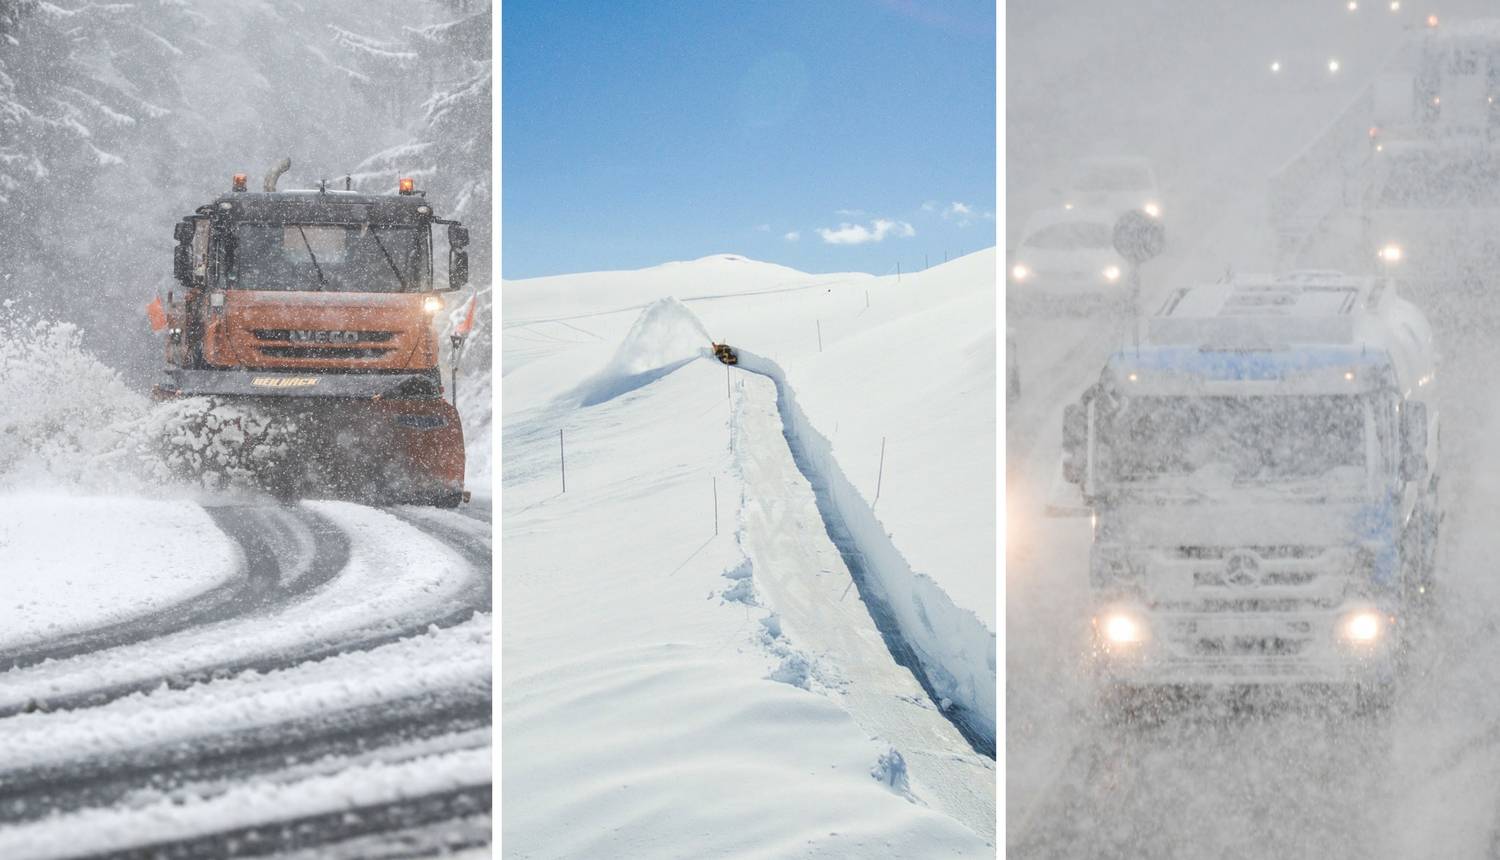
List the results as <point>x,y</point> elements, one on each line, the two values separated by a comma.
<point>1246,646</point>
<point>335,352</point>
<point>283,335</point>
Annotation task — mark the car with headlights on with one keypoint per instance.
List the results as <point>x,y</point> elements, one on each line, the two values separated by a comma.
<point>1066,259</point>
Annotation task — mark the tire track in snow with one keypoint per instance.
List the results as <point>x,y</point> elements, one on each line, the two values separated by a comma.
<point>237,755</point>
<point>322,831</point>
<point>277,545</point>
<point>874,566</point>
<point>330,557</point>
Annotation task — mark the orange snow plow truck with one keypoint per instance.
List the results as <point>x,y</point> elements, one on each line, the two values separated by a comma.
<point>317,310</point>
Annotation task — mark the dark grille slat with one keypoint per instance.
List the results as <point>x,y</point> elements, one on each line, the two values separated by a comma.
<point>323,352</point>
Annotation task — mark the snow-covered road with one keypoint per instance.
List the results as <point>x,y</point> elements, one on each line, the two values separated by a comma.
<point>339,680</point>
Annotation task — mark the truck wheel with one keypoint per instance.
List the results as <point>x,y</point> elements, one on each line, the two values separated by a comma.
<point>451,500</point>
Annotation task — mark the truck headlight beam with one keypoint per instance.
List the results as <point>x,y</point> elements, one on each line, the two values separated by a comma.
<point>1118,627</point>
<point>1364,627</point>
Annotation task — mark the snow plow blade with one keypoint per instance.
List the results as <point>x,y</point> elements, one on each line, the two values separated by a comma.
<point>377,439</point>
<point>248,383</point>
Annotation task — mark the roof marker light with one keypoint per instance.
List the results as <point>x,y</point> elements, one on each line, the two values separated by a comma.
<point>1432,20</point>
<point>1348,376</point>
<point>406,185</point>
<point>239,182</point>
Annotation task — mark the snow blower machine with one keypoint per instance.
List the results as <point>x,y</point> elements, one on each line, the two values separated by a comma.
<point>302,348</point>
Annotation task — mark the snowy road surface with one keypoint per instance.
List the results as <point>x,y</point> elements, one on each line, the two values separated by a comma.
<point>331,692</point>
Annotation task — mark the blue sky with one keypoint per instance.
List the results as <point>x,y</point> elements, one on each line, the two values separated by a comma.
<point>640,132</point>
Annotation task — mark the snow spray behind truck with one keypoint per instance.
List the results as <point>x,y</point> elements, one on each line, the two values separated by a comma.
<point>306,318</point>
<point>1261,472</point>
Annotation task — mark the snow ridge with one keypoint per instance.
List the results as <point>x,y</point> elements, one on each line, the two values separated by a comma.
<point>953,651</point>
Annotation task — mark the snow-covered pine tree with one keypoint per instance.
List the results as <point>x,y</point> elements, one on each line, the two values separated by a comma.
<point>448,150</point>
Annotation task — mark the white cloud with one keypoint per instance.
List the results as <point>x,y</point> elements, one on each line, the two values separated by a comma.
<point>929,206</point>
<point>858,234</point>
<point>792,236</point>
<point>762,228</point>
<point>957,208</point>
<point>850,213</point>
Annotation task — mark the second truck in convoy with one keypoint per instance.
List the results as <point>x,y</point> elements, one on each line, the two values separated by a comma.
<point>1262,474</point>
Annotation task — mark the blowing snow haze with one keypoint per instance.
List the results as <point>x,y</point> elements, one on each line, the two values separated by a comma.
<point>1251,619</point>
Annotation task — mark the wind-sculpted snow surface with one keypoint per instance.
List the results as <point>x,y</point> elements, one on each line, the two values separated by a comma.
<point>664,337</point>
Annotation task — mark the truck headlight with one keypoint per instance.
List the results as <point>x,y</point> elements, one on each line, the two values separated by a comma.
<point>1121,627</point>
<point>1362,627</point>
<point>1020,272</point>
<point>1111,273</point>
<point>1152,208</point>
<point>432,304</point>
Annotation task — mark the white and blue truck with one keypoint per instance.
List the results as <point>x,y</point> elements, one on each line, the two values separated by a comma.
<point>1261,468</point>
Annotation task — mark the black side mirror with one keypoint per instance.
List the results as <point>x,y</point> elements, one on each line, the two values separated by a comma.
<point>182,265</point>
<point>458,236</point>
<point>182,231</point>
<point>1075,440</point>
<point>458,268</point>
<point>1413,440</point>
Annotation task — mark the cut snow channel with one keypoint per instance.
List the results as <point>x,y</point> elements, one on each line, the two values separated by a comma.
<point>955,650</point>
<point>805,581</point>
<point>72,564</point>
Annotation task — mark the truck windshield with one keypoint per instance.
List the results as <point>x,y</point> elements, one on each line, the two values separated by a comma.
<point>1238,439</point>
<point>350,258</point>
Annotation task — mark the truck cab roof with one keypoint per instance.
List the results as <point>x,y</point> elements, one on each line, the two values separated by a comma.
<point>1319,329</point>
<point>312,205</point>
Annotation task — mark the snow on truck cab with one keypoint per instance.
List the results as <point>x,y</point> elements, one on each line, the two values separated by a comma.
<point>318,306</point>
<point>1261,472</point>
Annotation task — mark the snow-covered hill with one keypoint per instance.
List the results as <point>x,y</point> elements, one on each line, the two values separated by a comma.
<point>825,557</point>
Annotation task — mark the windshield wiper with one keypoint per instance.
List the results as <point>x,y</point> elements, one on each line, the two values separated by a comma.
<point>375,234</point>
<point>321,280</point>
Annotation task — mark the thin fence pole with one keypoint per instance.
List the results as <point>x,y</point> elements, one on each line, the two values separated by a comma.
<point>880,475</point>
<point>716,505</point>
<point>726,382</point>
<point>563,455</point>
<point>820,335</point>
<point>898,272</point>
<point>867,299</point>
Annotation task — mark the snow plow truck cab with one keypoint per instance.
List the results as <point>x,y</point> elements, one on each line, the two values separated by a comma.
<point>318,308</point>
